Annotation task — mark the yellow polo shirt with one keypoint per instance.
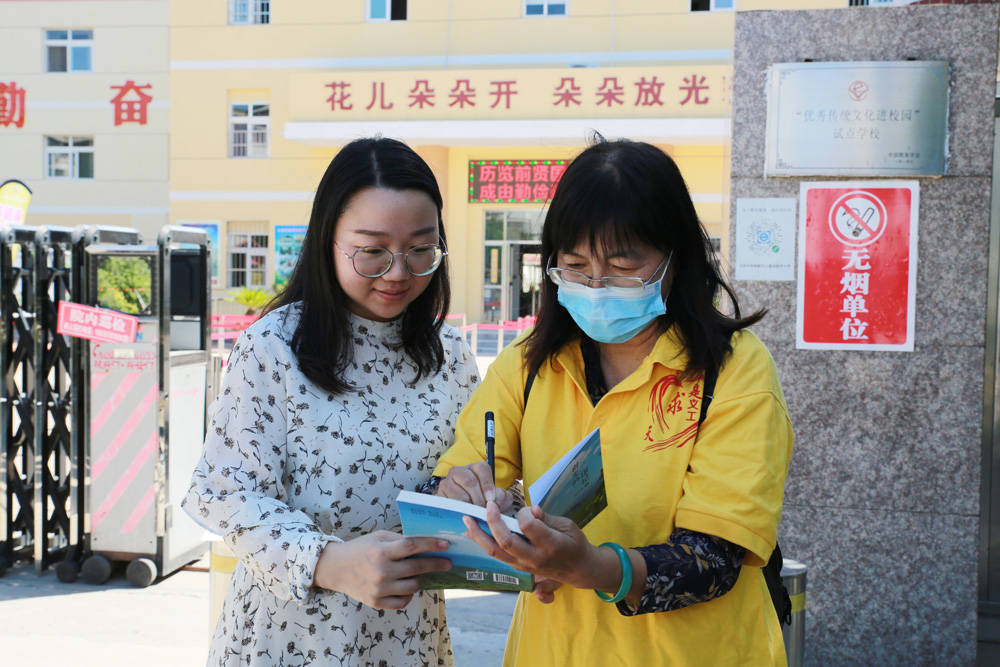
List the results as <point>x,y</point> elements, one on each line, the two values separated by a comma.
<point>661,473</point>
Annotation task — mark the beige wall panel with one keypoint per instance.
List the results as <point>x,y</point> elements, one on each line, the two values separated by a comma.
<point>590,7</point>
<point>74,219</point>
<point>89,122</point>
<point>75,14</point>
<point>184,13</point>
<point>429,10</point>
<point>20,49</point>
<point>132,50</point>
<point>694,30</point>
<point>235,174</point>
<point>21,156</point>
<point>627,7</point>
<point>530,36</point>
<point>274,213</point>
<point>372,40</point>
<point>712,214</point>
<point>148,225</point>
<point>479,11</point>
<point>200,118</point>
<point>120,195</point>
<point>131,157</point>
<point>755,5</point>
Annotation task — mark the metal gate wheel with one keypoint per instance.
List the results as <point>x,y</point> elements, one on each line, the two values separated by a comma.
<point>141,572</point>
<point>96,569</point>
<point>67,571</point>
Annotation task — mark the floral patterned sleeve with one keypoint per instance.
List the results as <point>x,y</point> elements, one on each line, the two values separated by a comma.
<point>689,568</point>
<point>237,490</point>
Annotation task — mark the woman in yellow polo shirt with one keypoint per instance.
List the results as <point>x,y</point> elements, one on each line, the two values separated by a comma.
<point>627,331</point>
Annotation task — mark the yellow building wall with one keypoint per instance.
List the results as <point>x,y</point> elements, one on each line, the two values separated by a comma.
<point>131,161</point>
<point>756,5</point>
<point>214,65</point>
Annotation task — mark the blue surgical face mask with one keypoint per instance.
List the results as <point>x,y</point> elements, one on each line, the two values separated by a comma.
<point>613,314</point>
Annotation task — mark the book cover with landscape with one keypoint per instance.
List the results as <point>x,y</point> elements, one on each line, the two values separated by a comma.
<point>470,566</point>
<point>573,487</point>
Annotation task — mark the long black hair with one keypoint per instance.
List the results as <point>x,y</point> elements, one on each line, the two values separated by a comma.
<point>322,341</point>
<point>613,195</point>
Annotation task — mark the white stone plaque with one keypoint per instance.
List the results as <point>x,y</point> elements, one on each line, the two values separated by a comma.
<point>765,239</point>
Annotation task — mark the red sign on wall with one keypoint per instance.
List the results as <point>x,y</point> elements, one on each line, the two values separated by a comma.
<point>109,326</point>
<point>857,265</point>
<point>130,103</point>
<point>11,104</point>
<point>514,181</point>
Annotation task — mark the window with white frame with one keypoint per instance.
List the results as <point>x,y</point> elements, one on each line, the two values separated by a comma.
<point>69,50</point>
<point>544,8</point>
<point>247,265</point>
<point>69,157</point>
<point>249,12</point>
<point>249,125</point>
<point>712,5</point>
<point>386,10</point>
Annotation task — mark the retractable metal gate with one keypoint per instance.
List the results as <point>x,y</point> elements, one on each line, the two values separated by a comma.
<point>85,475</point>
<point>36,446</point>
<point>17,393</point>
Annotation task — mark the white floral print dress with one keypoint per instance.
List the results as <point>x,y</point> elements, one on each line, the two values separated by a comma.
<point>287,468</point>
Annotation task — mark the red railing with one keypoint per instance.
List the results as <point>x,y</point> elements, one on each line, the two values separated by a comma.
<point>229,327</point>
<point>519,325</point>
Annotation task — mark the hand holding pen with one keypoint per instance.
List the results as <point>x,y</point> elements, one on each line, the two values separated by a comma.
<point>490,444</point>
<point>474,483</point>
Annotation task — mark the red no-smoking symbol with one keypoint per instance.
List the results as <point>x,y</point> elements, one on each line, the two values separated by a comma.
<point>858,218</point>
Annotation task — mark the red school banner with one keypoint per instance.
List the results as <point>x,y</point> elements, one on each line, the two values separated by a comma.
<point>857,265</point>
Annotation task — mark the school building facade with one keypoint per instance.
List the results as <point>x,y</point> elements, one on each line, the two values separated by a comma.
<point>496,96</point>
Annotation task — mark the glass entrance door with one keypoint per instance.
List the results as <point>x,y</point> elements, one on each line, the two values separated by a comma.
<point>512,271</point>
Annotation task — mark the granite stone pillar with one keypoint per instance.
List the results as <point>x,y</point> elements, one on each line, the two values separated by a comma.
<point>882,500</point>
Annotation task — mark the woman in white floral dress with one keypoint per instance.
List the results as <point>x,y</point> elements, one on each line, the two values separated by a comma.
<point>345,392</point>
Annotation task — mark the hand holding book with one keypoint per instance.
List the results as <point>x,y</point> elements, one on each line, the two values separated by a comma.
<point>567,496</point>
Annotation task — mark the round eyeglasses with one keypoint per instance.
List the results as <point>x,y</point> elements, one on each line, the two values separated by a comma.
<point>375,261</point>
<point>562,276</point>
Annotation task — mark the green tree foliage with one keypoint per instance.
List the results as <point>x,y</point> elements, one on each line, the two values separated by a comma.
<point>250,298</point>
<point>125,284</point>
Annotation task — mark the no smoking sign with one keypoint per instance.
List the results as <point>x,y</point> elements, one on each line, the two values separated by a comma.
<point>857,265</point>
<point>857,218</point>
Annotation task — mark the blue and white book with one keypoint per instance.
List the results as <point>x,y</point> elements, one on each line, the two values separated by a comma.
<point>572,487</point>
<point>433,516</point>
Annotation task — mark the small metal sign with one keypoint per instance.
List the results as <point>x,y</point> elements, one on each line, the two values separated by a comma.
<point>857,118</point>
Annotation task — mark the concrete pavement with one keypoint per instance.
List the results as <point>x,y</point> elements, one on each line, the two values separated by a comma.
<point>46,623</point>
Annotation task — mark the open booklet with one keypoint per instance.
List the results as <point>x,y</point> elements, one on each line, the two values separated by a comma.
<point>572,487</point>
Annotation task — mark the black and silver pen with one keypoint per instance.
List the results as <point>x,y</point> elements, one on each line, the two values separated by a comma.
<point>490,434</point>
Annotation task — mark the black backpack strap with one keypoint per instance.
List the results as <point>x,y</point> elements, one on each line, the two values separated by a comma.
<point>527,387</point>
<point>776,587</point>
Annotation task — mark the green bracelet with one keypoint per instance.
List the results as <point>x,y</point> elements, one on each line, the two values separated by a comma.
<point>626,575</point>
